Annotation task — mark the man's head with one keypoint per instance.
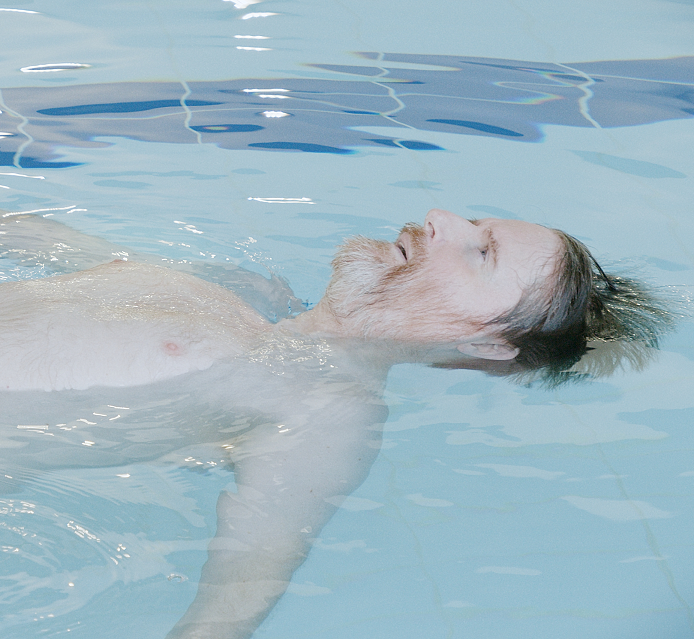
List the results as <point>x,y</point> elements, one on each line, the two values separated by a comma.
<point>495,289</point>
<point>442,282</point>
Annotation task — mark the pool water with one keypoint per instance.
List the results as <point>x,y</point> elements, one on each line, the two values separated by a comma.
<point>261,134</point>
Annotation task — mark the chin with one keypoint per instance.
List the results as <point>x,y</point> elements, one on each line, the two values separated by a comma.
<point>359,268</point>
<point>372,298</point>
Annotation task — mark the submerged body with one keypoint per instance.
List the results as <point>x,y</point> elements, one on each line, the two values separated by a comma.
<point>125,323</point>
<point>295,455</point>
<point>130,362</point>
<point>111,362</point>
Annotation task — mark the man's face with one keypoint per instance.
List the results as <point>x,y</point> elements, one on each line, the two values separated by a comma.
<point>439,282</point>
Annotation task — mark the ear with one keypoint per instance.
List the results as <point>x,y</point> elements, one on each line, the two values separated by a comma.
<point>488,348</point>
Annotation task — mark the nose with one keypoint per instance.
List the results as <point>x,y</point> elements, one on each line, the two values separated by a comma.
<point>443,225</point>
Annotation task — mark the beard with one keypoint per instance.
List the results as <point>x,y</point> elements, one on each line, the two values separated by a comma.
<point>374,299</point>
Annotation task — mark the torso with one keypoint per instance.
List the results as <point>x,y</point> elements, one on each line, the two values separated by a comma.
<point>118,324</point>
<point>157,364</point>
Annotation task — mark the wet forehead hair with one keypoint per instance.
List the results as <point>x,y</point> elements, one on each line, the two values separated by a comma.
<point>577,303</point>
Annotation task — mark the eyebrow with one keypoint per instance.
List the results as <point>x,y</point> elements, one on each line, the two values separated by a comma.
<point>491,239</point>
<point>493,246</point>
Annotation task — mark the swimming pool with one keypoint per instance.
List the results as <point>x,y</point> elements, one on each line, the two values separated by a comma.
<point>494,510</point>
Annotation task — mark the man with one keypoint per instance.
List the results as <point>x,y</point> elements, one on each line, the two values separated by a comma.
<point>294,406</point>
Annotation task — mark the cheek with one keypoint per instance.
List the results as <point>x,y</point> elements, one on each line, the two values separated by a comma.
<point>489,302</point>
<point>421,306</point>
<point>468,295</point>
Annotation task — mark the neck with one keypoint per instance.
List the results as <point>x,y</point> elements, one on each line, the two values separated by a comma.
<point>318,322</point>
<point>377,354</point>
<point>368,360</point>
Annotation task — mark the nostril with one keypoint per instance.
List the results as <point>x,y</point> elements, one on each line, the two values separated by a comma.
<point>429,230</point>
<point>434,221</point>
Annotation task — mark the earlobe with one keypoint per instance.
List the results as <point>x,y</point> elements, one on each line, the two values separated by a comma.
<point>490,349</point>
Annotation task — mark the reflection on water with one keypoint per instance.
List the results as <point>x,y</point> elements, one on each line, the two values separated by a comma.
<point>505,99</point>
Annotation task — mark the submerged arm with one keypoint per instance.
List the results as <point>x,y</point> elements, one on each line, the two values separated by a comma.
<point>32,240</point>
<point>289,484</point>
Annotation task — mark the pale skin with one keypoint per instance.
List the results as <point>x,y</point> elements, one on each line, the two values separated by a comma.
<point>305,391</point>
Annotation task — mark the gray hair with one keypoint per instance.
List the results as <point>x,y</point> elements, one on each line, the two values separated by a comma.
<point>561,318</point>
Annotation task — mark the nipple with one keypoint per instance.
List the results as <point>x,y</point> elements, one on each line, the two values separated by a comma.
<point>171,348</point>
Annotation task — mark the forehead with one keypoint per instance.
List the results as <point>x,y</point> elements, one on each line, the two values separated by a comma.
<point>525,254</point>
<point>522,246</point>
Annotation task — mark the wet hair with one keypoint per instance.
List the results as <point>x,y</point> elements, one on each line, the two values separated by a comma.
<point>577,309</point>
<point>577,305</point>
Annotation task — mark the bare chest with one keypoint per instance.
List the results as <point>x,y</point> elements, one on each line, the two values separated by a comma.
<point>119,324</point>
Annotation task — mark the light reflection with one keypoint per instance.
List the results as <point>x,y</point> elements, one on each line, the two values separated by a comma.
<point>19,11</point>
<point>57,208</point>
<point>82,532</point>
<point>247,37</point>
<point>189,227</point>
<point>274,114</point>
<point>264,14</point>
<point>254,49</point>
<point>243,4</point>
<point>265,90</point>
<point>35,177</point>
<point>283,200</point>
<point>51,68</point>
